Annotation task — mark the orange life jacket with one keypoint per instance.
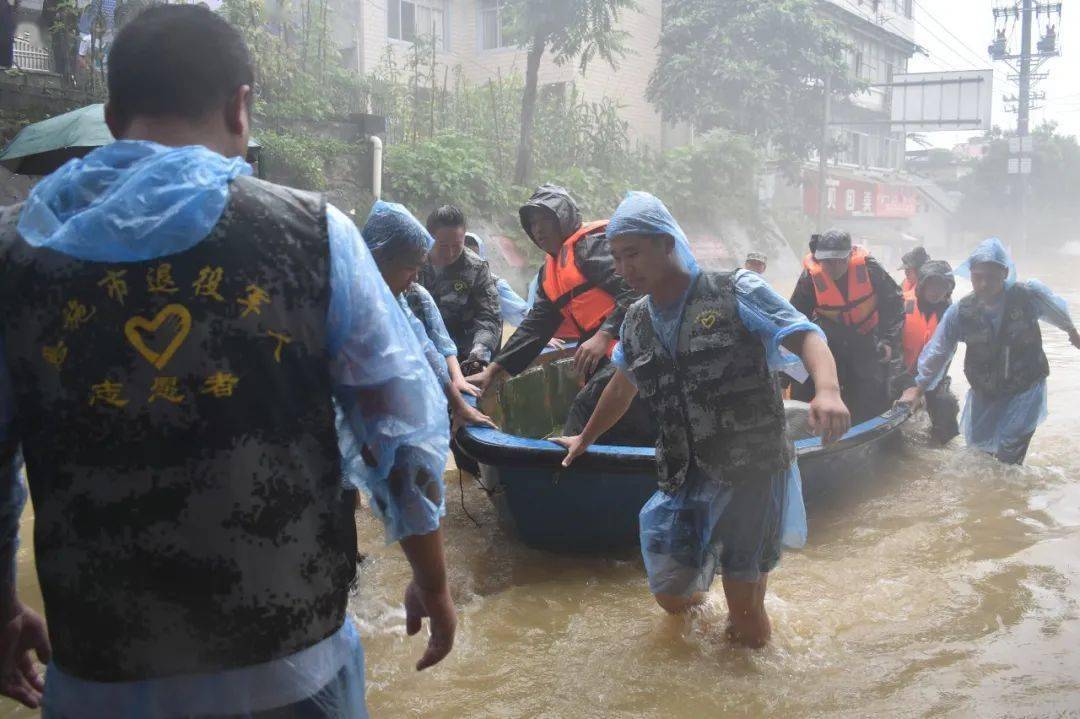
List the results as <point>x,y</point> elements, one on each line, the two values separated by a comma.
<point>584,306</point>
<point>568,331</point>
<point>917,330</point>
<point>859,310</point>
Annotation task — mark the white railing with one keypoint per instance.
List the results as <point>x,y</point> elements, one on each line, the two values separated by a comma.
<point>30,58</point>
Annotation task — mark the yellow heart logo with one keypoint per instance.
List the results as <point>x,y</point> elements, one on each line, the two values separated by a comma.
<point>180,326</point>
<point>707,319</point>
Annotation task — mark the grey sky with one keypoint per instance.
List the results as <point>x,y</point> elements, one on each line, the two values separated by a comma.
<point>972,24</point>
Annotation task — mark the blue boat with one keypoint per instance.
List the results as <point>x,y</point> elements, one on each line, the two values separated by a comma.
<point>593,505</point>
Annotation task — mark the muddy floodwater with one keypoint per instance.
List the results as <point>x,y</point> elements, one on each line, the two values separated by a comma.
<point>943,585</point>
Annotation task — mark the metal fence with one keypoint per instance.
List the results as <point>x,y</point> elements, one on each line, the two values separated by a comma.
<point>30,58</point>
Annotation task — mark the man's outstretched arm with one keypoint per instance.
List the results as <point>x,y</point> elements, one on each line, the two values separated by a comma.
<point>829,417</point>
<point>614,401</point>
<point>428,595</point>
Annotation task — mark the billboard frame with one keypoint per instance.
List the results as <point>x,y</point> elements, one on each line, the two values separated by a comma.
<point>942,101</point>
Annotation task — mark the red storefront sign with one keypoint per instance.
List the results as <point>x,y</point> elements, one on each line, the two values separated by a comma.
<point>896,201</point>
<point>847,197</point>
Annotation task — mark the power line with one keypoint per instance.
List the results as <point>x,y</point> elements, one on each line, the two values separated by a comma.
<point>978,56</point>
<point>945,43</point>
<point>999,74</point>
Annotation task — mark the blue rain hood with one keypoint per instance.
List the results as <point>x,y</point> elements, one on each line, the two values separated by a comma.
<point>643,214</point>
<point>989,250</point>
<point>392,231</point>
<point>130,201</point>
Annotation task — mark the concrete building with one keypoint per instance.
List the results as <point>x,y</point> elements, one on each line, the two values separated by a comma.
<point>880,34</point>
<point>469,34</point>
<point>867,189</point>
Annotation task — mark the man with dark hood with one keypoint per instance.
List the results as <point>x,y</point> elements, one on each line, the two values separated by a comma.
<point>924,306</point>
<point>910,264</point>
<point>464,290</point>
<point>861,309</point>
<point>578,291</point>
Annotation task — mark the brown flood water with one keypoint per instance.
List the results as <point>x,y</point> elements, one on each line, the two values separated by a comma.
<point>945,585</point>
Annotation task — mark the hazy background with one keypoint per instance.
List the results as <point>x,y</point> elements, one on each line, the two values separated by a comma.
<point>955,34</point>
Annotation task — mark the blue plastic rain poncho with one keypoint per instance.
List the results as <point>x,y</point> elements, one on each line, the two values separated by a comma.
<point>512,308</point>
<point>391,232</point>
<point>432,320</point>
<point>130,201</point>
<point>134,201</point>
<point>693,513</point>
<point>993,424</point>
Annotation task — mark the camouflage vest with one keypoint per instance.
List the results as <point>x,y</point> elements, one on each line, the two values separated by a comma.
<point>452,290</point>
<point>716,402</point>
<point>176,419</point>
<point>1010,361</point>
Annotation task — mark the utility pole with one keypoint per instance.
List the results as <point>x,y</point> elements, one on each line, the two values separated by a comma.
<point>1023,122</point>
<point>823,160</point>
<point>1029,14</point>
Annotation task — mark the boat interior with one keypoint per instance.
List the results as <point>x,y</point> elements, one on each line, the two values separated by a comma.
<point>534,405</point>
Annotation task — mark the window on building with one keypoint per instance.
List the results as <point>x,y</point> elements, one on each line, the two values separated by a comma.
<point>410,19</point>
<point>872,62</point>
<point>492,25</point>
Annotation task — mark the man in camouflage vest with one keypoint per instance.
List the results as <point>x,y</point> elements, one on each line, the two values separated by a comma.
<point>697,350</point>
<point>175,333</point>
<point>464,290</point>
<point>1005,361</point>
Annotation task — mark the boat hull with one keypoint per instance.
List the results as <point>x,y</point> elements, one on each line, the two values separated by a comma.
<point>593,506</point>
<point>569,511</point>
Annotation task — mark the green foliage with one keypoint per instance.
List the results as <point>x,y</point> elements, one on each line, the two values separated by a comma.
<point>989,206</point>
<point>750,67</point>
<point>451,167</point>
<point>452,141</point>
<point>299,77</point>
<point>715,175</point>
<point>570,29</point>
<point>299,74</point>
<point>290,159</point>
<point>573,132</point>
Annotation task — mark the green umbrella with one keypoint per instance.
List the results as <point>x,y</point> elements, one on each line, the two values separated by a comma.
<point>40,148</point>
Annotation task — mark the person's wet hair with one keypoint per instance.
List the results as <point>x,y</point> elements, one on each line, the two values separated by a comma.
<point>410,257</point>
<point>445,216</point>
<point>176,61</point>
